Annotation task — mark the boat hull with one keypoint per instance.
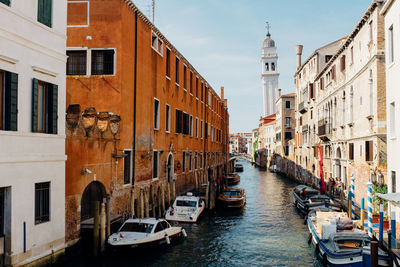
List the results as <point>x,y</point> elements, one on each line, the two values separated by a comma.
<point>183,218</point>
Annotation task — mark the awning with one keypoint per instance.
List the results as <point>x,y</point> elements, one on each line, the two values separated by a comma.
<point>391,197</point>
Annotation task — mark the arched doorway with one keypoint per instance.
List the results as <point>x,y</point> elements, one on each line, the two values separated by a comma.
<point>338,165</point>
<point>170,174</point>
<point>95,191</point>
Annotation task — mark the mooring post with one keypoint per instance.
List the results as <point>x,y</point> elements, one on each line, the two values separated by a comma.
<point>380,224</point>
<point>102,226</point>
<point>108,217</point>
<point>393,228</point>
<point>374,254</point>
<point>350,207</point>
<point>389,235</point>
<point>96,207</point>
<point>362,214</point>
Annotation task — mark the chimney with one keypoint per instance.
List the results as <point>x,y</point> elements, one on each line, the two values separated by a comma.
<point>222,93</point>
<point>299,51</point>
<point>279,92</point>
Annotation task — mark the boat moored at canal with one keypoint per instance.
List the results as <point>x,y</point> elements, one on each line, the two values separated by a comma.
<point>232,198</point>
<point>307,199</point>
<point>337,243</point>
<point>238,167</point>
<point>135,233</point>
<point>232,179</point>
<point>185,209</point>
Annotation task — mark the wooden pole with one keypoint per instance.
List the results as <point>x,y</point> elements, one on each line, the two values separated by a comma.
<point>108,217</point>
<point>96,207</point>
<point>102,226</point>
<point>349,210</point>
<point>362,214</point>
<point>374,254</point>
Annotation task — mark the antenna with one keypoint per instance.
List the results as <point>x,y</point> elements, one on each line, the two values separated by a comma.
<point>153,6</point>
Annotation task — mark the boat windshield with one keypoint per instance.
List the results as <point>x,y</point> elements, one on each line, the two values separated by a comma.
<point>186,203</point>
<point>350,244</point>
<point>137,227</point>
<point>232,193</point>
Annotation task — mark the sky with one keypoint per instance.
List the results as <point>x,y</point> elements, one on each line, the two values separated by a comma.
<point>222,39</point>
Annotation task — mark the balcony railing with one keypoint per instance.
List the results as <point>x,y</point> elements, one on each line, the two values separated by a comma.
<point>325,130</point>
<point>303,107</point>
<point>304,128</point>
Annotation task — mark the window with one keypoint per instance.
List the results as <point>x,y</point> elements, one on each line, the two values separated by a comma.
<point>369,152</point>
<point>201,129</point>
<point>44,15</point>
<point>167,118</point>
<point>390,43</point>
<point>42,202</point>
<point>202,93</point>
<point>44,107</point>
<point>6,2</point>
<point>156,114</point>
<point>392,119</point>
<point>103,62</point>
<point>127,166</point>
<point>76,62</point>
<point>191,126</point>
<point>351,151</point>
<point>206,130</point>
<point>266,66</point>
<point>327,58</point>
<point>393,182</point>
<point>191,83</point>
<point>200,160</point>
<point>184,77</point>
<point>287,104</point>
<point>195,160</point>
<point>371,31</point>
<point>343,63</point>
<point>351,55</point>
<point>185,123</point>
<point>287,121</point>
<point>286,150</point>
<point>178,121</point>
<point>197,87</point>
<point>155,164</point>
<point>197,127</point>
<point>168,64</point>
<point>183,161</point>
<point>177,70</point>
<point>288,135</point>
<point>272,66</point>
<point>156,43</point>
<point>8,100</point>
<point>321,83</point>
<point>333,72</point>
<point>190,161</point>
<point>159,228</point>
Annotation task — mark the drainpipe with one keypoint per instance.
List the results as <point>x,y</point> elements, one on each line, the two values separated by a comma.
<point>134,103</point>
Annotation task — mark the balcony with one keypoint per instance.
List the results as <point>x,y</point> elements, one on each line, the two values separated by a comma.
<point>324,130</point>
<point>303,107</point>
<point>304,128</point>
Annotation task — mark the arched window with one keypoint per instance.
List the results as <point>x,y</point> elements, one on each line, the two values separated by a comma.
<point>266,66</point>
<point>273,66</point>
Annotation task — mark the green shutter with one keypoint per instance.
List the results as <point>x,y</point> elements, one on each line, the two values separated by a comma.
<point>11,97</point>
<point>34,104</point>
<point>52,108</point>
<point>6,2</point>
<point>45,12</point>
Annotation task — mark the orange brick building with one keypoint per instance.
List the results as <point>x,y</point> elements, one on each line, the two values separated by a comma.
<point>142,124</point>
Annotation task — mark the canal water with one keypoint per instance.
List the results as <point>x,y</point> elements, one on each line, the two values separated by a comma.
<point>268,232</point>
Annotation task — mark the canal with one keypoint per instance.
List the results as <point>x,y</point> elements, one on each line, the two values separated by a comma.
<point>268,232</point>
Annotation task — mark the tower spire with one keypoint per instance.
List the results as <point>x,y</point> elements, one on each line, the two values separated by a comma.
<point>268,27</point>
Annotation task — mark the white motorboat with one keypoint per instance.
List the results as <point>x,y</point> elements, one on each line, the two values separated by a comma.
<point>185,209</point>
<point>145,232</point>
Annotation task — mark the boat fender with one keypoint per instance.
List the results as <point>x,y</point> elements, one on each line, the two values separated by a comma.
<point>167,239</point>
<point>309,239</point>
<point>184,233</point>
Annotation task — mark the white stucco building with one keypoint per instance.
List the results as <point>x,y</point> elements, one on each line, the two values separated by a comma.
<point>32,119</point>
<point>391,13</point>
<point>269,75</point>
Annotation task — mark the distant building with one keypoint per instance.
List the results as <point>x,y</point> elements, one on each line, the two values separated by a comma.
<point>285,123</point>
<point>32,129</point>
<point>269,75</point>
<point>269,134</point>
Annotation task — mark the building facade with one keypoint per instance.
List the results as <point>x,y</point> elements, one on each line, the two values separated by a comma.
<point>391,13</point>
<point>351,106</point>
<point>32,134</point>
<point>306,125</point>
<point>269,75</point>
<point>285,123</point>
<point>151,127</point>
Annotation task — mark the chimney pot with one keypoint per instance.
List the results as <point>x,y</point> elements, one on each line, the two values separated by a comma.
<point>299,51</point>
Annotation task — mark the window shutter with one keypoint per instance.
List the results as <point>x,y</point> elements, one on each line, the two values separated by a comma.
<point>34,104</point>
<point>52,109</point>
<point>11,101</point>
<point>6,2</point>
<point>44,12</point>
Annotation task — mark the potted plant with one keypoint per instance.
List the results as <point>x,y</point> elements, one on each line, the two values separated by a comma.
<point>376,201</point>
